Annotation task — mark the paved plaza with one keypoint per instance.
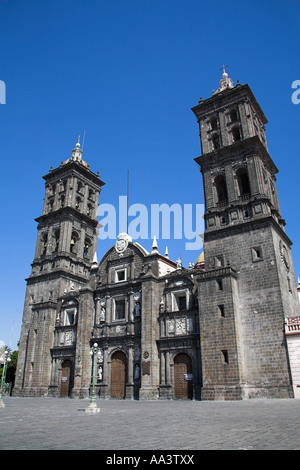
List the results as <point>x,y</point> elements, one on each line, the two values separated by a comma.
<point>63,424</point>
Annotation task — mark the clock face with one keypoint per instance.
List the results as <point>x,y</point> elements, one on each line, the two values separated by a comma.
<point>284,255</point>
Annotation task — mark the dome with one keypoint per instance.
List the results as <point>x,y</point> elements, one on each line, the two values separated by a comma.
<point>200,261</point>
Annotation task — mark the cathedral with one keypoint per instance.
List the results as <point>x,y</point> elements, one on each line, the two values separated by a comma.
<point>212,331</point>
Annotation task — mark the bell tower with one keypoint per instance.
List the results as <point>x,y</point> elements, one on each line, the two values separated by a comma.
<point>67,227</point>
<point>249,286</point>
<point>65,247</point>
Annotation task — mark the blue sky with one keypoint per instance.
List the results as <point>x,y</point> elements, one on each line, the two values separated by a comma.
<point>128,72</point>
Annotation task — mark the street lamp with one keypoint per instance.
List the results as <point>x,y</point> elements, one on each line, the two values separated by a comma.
<point>93,408</point>
<point>3,360</point>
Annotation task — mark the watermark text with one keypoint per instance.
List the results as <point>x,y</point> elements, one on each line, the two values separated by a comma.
<point>164,221</point>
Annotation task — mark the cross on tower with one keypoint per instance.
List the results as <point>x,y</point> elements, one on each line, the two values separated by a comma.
<point>224,67</point>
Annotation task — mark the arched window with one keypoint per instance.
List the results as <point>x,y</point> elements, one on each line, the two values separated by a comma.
<point>73,242</point>
<point>56,239</point>
<point>214,124</point>
<point>221,188</point>
<point>243,181</point>
<point>236,134</point>
<point>216,141</point>
<point>50,204</point>
<point>86,249</point>
<point>63,185</point>
<point>233,115</point>
<point>79,187</point>
<point>91,195</point>
<point>78,203</point>
<point>89,209</point>
<point>44,244</point>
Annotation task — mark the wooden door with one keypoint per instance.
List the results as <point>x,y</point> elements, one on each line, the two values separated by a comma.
<point>183,383</point>
<point>118,375</point>
<point>65,378</point>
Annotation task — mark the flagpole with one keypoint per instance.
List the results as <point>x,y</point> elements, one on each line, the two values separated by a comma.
<point>127,197</point>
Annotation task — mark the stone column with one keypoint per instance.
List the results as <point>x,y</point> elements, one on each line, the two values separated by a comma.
<point>149,335</point>
<point>97,310</point>
<point>108,309</point>
<point>162,368</point>
<point>167,365</point>
<point>130,384</point>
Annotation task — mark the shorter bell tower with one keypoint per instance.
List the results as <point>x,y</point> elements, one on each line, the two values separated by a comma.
<point>65,247</point>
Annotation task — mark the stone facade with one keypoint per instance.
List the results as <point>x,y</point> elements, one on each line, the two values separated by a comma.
<point>213,331</point>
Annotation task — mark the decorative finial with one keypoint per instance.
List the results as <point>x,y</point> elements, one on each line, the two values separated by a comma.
<point>95,261</point>
<point>78,143</point>
<point>154,245</point>
<point>225,81</point>
<point>223,68</point>
<point>77,152</point>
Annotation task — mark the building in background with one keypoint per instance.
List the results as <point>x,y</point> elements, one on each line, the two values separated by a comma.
<point>213,331</point>
<point>292,331</point>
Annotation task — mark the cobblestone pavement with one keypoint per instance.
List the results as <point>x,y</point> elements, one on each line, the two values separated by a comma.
<point>61,423</point>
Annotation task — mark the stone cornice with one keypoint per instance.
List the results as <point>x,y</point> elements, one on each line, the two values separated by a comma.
<point>59,273</point>
<point>245,226</point>
<point>64,213</point>
<point>217,272</point>
<point>248,147</point>
<point>220,99</point>
<point>65,169</point>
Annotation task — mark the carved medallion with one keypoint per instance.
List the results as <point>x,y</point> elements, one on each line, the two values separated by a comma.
<point>122,242</point>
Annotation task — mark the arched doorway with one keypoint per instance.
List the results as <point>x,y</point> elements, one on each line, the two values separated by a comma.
<point>183,381</point>
<point>65,378</point>
<point>118,375</point>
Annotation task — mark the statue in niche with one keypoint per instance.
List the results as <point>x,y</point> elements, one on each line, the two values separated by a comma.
<point>137,309</point>
<point>136,372</point>
<point>179,263</point>
<point>78,369</point>
<point>102,314</point>
<point>100,373</point>
<point>102,309</point>
<point>100,356</point>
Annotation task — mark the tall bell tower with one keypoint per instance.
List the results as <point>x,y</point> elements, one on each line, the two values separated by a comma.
<point>65,247</point>
<point>249,285</point>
